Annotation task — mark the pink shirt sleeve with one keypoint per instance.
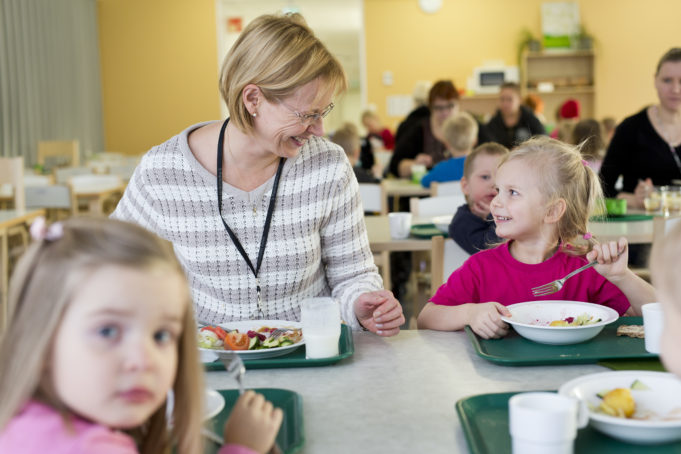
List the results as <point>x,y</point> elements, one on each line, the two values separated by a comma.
<point>232,448</point>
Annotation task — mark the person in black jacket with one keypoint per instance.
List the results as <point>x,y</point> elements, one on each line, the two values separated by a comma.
<point>513,123</point>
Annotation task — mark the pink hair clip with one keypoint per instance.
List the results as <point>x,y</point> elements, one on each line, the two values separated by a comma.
<point>584,162</point>
<point>41,231</point>
<point>587,236</point>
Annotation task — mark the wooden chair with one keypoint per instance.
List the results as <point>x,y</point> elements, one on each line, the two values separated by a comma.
<point>62,175</point>
<point>373,197</point>
<point>12,180</point>
<point>445,188</point>
<point>59,153</point>
<point>96,192</point>
<point>57,200</point>
<point>445,259</point>
<point>435,206</point>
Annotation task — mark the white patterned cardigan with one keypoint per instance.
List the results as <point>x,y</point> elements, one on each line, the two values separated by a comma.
<point>317,244</point>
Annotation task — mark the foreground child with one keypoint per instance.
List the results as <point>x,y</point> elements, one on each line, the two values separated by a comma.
<point>472,226</point>
<point>100,329</point>
<point>545,195</point>
<point>664,263</point>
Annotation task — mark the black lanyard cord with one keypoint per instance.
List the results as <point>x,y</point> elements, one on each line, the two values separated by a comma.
<point>268,218</point>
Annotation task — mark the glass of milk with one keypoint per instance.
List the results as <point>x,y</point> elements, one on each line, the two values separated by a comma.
<point>321,322</point>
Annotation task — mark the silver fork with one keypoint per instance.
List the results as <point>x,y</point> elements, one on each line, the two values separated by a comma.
<point>553,287</point>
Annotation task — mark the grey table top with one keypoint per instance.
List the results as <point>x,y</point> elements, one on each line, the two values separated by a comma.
<point>398,394</point>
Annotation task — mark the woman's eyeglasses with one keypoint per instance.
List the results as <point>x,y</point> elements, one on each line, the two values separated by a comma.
<point>308,118</point>
<point>443,107</point>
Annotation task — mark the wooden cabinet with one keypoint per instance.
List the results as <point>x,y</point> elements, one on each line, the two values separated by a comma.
<point>570,73</point>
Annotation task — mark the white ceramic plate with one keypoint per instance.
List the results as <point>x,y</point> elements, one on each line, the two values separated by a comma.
<point>208,355</point>
<point>660,405</point>
<point>531,320</point>
<point>213,404</point>
<point>442,222</point>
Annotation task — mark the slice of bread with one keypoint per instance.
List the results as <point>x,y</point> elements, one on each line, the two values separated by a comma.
<point>631,331</point>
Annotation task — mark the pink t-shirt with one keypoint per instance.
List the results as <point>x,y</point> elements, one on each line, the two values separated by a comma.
<point>40,429</point>
<point>494,275</point>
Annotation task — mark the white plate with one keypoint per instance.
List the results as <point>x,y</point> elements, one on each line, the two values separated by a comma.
<point>531,320</point>
<point>208,355</point>
<point>442,222</point>
<point>660,405</point>
<point>213,404</point>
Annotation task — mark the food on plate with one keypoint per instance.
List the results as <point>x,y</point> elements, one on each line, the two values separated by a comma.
<point>581,320</point>
<point>217,338</point>
<point>631,331</point>
<point>619,402</point>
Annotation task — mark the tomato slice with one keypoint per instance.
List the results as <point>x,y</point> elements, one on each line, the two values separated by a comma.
<point>219,332</point>
<point>236,341</point>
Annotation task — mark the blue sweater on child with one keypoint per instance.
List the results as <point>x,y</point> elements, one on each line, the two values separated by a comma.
<point>448,170</point>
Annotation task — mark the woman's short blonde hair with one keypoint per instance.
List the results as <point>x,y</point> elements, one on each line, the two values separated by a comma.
<point>563,175</point>
<point>279,54</point>
<point>41,288</point>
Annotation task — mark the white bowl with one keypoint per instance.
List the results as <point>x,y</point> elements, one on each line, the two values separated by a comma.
<point>442,222</point>
<point>660,405</point>
<point>531,320</point>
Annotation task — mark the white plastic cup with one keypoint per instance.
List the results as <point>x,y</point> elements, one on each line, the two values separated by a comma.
<point>653,320</point>
<point>543,422</point>
<point>400,224</point>
<point>321,323</point>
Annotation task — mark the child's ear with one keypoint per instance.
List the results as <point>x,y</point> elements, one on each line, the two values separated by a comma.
<point>555,211</point>
<point>464,185</point>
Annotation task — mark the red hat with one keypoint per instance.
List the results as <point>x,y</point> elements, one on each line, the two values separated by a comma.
<point>570,109</point>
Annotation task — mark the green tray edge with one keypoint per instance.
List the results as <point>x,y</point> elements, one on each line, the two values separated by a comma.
<point>476,443</point>
<point>430,231</point>
<point>346,349</point>
<point>267,392</point>
<point>476,342</point>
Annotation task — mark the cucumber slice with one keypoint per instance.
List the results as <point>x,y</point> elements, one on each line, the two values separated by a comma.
<point>270,343</point>
<point>253,343</point>
<point>639,385</point>
<point>285,342</point>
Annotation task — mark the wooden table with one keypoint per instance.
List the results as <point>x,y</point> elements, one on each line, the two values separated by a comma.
<point>96,197</point>
<point>402,187</point>
<point>636,232</point>
<point>398,394</point>
<point>378,229</point>
<point>8,220</point>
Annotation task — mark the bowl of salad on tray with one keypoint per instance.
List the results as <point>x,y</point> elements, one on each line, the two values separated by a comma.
<point>251,339</point>
<point>559,322</point>
<point>639,407</point>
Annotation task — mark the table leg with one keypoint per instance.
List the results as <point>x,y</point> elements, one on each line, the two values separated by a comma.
<point>4,271</point>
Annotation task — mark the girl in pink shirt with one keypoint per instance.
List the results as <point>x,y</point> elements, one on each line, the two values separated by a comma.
<point>100,329</point>
<point>545,193</point>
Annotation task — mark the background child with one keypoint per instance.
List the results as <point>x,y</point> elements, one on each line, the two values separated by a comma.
<point>348,138</point>
<point>460,132</point>
<point>589,136</point>
<point>544,196</point>
<point>664,264</point>
<point>472,226</point>
<point>100,329</point>
<point>376,130</point>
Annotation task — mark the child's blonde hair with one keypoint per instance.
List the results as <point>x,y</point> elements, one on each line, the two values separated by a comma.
<point>664,262</point>
<point>460,131</point>
<point>348,138</point>
<point>487,148</point>
<point>562,174</point>
<point>45,281</point>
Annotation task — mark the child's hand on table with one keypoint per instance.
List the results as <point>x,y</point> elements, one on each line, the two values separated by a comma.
<point>253,423</point>
<point>485,319</point>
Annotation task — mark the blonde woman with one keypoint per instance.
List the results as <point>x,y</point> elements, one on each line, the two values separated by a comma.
<point>263,212</point>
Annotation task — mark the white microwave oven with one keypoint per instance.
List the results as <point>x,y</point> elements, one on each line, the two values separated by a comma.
<point>489,78</point>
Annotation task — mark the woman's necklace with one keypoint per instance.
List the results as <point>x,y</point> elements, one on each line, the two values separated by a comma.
<point>667,137</point>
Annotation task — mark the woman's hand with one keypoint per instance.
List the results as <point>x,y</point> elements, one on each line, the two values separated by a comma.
<point>253,423</point>
<point>485,319</point>
<point>612,259</point>
<point>424,159</point>
<point>379,312</point>
<point>635,200</point>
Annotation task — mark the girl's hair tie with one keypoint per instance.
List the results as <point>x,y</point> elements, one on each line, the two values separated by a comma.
<point>41,231</point>
<point>587,236</point>
<point>585,163</point>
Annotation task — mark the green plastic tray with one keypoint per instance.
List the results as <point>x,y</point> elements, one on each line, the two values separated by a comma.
<point>426,231</point>
<point>484,419</point>
<point>291,434</point>
<point>296,358</point>
<point>514,350</point>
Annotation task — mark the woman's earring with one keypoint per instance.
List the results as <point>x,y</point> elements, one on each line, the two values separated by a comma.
<point>255,114</point>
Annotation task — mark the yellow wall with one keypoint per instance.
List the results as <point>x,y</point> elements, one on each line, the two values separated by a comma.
<point>159,69</point>
<point>630,36</point>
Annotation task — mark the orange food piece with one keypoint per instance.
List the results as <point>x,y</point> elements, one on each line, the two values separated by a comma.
<point>236,341</point>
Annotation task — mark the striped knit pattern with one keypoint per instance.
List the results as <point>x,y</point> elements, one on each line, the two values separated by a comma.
<point>317,245</point>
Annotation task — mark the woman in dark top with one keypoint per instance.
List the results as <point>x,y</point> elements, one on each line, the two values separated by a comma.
<point>513,123</point>
<point>646,147</point>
